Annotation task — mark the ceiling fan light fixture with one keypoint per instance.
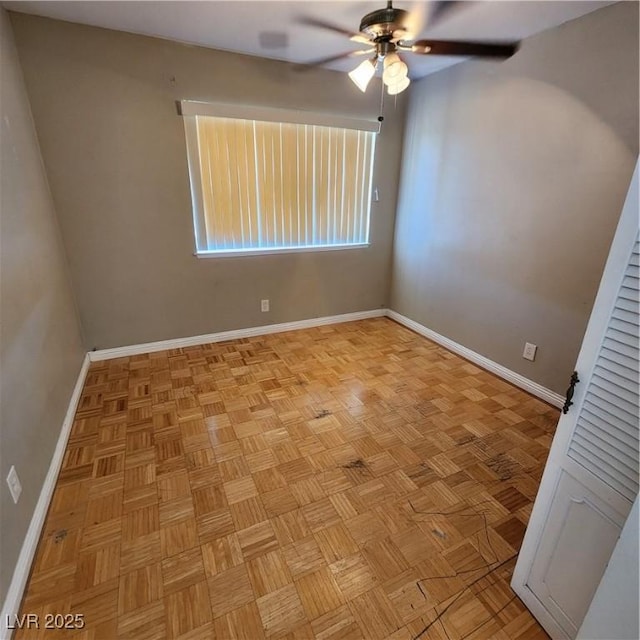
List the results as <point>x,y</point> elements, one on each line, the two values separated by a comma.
<point>394,69</point>
<point>402,34</point>
<point>390,30</point>
<point>398,87</point>
<point>391,59</point>
<point>362,74</point>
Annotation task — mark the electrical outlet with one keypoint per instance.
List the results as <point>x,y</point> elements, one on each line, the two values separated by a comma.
<point>529,352</point>
<point>14,484</point>
<point>264,306</point>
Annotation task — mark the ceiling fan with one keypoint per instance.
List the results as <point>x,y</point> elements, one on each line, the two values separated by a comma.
<point>390,32</point>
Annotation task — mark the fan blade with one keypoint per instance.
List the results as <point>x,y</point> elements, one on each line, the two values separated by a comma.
<point>441,8</point>
<point>415,21</point>
<point>427,14</point>
<point>339,56</point>
<point>476,49</point>
<point>360,39</point>
<point>329,26</point>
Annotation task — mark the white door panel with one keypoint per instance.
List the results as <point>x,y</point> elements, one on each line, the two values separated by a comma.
<point>591,477</point>
<point>576,543</point>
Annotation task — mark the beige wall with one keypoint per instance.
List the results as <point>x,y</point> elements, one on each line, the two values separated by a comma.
<point>114,149</point>
<point>40,348</point>
<point>514,179</point>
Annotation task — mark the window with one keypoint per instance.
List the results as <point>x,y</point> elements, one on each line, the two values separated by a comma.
<point>270,183</point>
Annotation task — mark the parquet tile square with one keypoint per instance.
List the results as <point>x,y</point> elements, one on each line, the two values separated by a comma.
<point>511,499</point>
<point>182,570</point>
<point>215,524</point>
<point>200,459</point>
<point>98,535</point>
<point>240,489</point>
<point>108,465</point>
<point>366,527</point>
<point>512,530</point>
<point>290,527</point>
<point>278,501</point>
<point>187,610</point>
<point>281,611</point>
<point>338,624</point>
<point>140,551</point>
<point>343,505</point>
<point>178,537</point>
<point>269,479</point>
<point>174,486</point>
<point>319,592</point>
<point>307,491</point>
<point>335,542</point>
<point>99,603</point>
<point>268,572</point>
<point>261,459</point>
<point>353,575</point>
<point>96,567</point>
<point>221,554</point>
<point>465,559</point>
<point>405,594</point>
<point>208,499</point>
<point>243,623</point>
<point>414,545</point>
<point>303,556</point>
<point>175,511</point>
<point>145,623</point>
<point>229,590</point>
<point>140,587</point>
<point>384,558</point>
<point>347,481</point>
<point>246,513</point>
<point>295,470</point>
<point>104,508</point>
<point>257,540</point>
<point>320,515</point>
<point>235,468</point>
<point>59,548</point>
<point>374,614</point>
<point>140,476</point>
<point>140,522</point>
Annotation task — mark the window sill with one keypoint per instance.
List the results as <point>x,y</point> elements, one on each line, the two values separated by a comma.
<point>265,251</point>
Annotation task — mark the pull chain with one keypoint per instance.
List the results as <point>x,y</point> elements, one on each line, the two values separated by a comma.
<point>381,116</point>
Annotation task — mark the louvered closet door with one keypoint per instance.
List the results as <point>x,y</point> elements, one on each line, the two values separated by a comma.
<point>605,441</point>
<point>591,477</point>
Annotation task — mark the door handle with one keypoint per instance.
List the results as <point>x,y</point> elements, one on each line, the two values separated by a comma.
<point>570,391</point>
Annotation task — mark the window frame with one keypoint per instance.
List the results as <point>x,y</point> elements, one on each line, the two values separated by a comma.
<point>190,109</point>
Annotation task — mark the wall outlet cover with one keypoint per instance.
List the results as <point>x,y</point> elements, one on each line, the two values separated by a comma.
<point>264,305</point>
<point>14,484</point>
<point>529,352</point>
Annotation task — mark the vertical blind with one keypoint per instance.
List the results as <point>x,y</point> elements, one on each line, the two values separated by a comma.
<point>271,185</point>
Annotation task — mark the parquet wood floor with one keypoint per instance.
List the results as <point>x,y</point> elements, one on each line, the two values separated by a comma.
<point>347,481</point>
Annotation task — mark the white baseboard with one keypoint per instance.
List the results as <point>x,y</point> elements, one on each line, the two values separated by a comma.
<point>510,376</point>
<point>235,334</point>
<point>23,566</point>
<point>518,380</point>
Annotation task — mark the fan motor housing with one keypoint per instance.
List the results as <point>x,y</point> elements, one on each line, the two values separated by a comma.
<point>381,24</point>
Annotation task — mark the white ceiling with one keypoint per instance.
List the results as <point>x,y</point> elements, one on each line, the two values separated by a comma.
<point>239,25</point>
